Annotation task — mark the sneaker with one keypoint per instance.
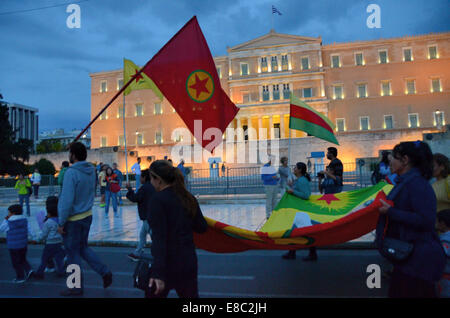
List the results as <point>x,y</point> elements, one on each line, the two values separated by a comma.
<point>310,258</point>
<point>102,205</point>
<point>29,274</point>
<point>72,292</point>
<point>19,280</point>
<point>133,257</point>
<point>49,270</point>
<point>290,255</point>
<point>107,280</point>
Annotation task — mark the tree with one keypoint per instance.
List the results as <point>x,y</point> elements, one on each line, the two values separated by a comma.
<point>12,154</point>
<point>46,146</point>
<point>44,166</point>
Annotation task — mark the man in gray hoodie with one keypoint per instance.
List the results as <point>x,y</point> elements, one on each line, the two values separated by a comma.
<point>75,215</point>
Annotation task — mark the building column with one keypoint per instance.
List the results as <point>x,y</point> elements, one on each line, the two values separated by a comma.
<point>270,92</point>
<point>322,88</point>
<point>271,130</point>
<point>251,136</point>
<point>260,126</point>
<point>282,128</point>
<point>240,135</point>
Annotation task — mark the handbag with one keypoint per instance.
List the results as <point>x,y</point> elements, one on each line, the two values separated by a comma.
<point>395,250</point>
<point>141,276</point>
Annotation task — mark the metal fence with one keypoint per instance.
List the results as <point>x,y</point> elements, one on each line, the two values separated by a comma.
<point>216,182</point>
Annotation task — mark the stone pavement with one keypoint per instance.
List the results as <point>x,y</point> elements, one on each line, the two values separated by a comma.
<point>123,229</point>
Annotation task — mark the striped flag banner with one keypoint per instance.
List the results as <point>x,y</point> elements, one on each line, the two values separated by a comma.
<point>275,10</point>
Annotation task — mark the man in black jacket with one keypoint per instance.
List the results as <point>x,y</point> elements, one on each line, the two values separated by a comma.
<point>141,197</point>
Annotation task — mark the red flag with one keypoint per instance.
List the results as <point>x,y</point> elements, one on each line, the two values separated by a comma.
<point>185,73</point>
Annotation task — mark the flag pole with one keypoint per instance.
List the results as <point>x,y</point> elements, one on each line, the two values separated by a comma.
<point>125,136</point>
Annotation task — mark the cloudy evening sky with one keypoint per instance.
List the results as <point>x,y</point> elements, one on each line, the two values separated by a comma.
<point>46,65</point>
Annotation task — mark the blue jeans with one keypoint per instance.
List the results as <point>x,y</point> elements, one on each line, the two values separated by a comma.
<point>19,262</point>
<point>109,195</point>
<point>138,182</point>
<point>25,197</point>
<point>145,230</point>
<point>76,245</point>
<point>52,251</point>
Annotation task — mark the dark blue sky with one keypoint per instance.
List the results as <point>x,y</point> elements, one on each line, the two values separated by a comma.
<point>46,65</point>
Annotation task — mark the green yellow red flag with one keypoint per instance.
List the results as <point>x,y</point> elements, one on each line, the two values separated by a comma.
<point>305,118</point>
<point>142,81</point>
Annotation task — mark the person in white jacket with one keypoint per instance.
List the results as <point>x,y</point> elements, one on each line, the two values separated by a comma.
<point>36,182</point>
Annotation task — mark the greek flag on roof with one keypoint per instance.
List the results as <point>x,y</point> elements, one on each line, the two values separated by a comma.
<point>275,10</point>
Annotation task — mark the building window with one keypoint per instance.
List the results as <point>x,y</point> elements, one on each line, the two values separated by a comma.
<point>362,91</point>
<point>264,68</point>
<point>246,97</point>
<point>286,91</point>
<point>244,69</point>
<point>383,57</point>
<point>432,52</point>
<point>436,85</point>
<point>388,122</point>
<point>335,61</point>
<point>364,123</point>
<point>386,88</point>
<point>119,84</point>
<point>103,141</point>
<point>276,92</point>
<point>407,55</point>
<point>284,63</point>
<point>158,109</point>
<point>305,63</point>
<point>413,120</point>
<point>359,59</point>
<point>121,141</point>
<point>438,118</point>
<point>103,116</point>
<point>274,63</point>
<point>340,124</point>
<point>410,87</point>
<point>178,137</point>
<point>139,110</point>
<point>265,93</point>
<point>219,72</point>
<point>307,92</point>
<point>120,112</point>
<point>338,92</point>
<point>103,87</point>
<point>139,139</point>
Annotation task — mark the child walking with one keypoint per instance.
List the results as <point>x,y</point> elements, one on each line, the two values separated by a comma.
<point>53,240</point>
<point>17,232</point>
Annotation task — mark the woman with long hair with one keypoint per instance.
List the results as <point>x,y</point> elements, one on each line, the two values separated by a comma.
<point>412,220</point>
<point>174,214</point>
<point>302,190</point>
<point>111,182</point>
<point>441,185</point>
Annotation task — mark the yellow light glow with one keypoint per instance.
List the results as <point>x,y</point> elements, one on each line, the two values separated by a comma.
<point>290,66</point>
<point>259,69</point>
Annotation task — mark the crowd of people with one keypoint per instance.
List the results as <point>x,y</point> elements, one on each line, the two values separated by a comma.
<point>416,215</point>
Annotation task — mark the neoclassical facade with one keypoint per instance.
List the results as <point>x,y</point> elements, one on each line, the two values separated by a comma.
<point>386,85</point>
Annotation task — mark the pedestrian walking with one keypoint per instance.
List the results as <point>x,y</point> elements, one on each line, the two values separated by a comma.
<point>120,179</point>
<point>285,173</point>
<point>24,187</point>
<point>53,240</point>
<point>136,168</point>
<point>302,190</point>
<point>111,190</point>
<point>443,225</point>
<point>63,170</point>
<point>142,198</point>
<point>102,182</point>
<point>36,181</point>
<point>270,178</point>
<point>75,215</point>
<point>175,214</point>
<point>18,232</point>
<point>411,222</point>
<point>441,184</point>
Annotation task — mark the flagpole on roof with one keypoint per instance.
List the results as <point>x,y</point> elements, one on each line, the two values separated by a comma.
<point>125,136</point>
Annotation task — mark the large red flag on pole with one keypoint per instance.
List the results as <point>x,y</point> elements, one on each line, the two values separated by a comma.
<point>185,73</point>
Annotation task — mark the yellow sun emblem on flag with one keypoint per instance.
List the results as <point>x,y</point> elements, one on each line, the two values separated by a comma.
<point>200,86</point>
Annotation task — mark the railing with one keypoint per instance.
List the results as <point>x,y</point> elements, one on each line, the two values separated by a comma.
<point>217,181</point>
